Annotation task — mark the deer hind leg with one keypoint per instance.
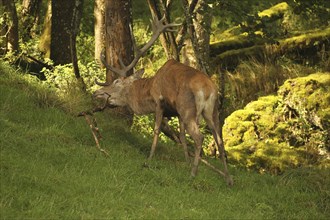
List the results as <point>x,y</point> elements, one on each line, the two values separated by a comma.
<point>193,131</point>
<point>212,120</point>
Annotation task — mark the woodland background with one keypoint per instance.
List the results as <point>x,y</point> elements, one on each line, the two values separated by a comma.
<point>270,60</point>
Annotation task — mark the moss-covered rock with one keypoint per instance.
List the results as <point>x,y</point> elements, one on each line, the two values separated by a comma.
<point>288,130</point>
<point>309,97</point>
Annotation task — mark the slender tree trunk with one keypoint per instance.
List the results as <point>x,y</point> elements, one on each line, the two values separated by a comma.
<point>198,21</point>
<point>75,23</point>
<point>3,30</point>
<point>10,25</point>
<point>159,9</point>
<point>202,25</point>
<point>44,45</point>
<point>189,53</point>
<point>30,17</point>
<point>62,13</point>
<point>99,29</point>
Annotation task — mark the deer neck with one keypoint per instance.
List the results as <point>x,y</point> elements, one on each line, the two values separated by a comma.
<point>139,97</point>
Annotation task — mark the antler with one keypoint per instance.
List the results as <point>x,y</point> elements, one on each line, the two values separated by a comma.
<point>158,27</point>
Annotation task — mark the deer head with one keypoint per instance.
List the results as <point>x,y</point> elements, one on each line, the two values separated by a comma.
<point>115,94</point>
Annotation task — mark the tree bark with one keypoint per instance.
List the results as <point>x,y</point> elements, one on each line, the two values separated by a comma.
<point>3,30</point>
<point>30,17</point>
<point>202,25</point>
<point>62,13</point>
<point>10,25</point>
<point>189,53</point>
<point>99,29</point>
<point>75,23</point>
<point>158,10</point>
<point>198,21</point>
<point>118,41</point>
<point>118,19</point>
<point>44,45</point>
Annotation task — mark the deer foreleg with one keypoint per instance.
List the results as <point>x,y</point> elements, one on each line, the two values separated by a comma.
<point>158,122</point>
<point>183,139</point>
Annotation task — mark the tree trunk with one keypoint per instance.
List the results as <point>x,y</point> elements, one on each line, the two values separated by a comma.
<point>118,41</point>
<point>30,12</point>
<point>167,39</point>
<point>75,23</point>
<point>99,29</point>
<point>44,45</point>
<point>62,13</point>
<point>118,19</point>
<point>3,30</point>
<point>202,25</point>
<point>189,53</point>
<point>10,25</point>
<point>198,21</point>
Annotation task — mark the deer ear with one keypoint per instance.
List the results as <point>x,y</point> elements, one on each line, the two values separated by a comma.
<point>139,73</point>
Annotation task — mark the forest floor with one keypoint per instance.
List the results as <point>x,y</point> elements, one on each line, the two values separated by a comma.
<point>50,169</point>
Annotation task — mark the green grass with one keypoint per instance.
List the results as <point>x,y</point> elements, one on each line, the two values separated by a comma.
<point>50,169</point>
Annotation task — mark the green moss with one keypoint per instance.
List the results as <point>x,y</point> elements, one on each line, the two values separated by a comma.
<point>309,97</point>
<point>312,39</point>
<point>276,10</point>
<point>244,115</point>
<point>285,131</point>
<point>233,43</point>
<point>267,103</point>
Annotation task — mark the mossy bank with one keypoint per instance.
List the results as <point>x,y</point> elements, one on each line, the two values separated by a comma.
<point>290,129</point>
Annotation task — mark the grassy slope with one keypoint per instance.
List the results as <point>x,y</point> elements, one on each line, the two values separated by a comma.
<point>50,169</point>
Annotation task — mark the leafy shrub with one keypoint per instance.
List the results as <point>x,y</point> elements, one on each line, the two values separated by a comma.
<point>68,89</point>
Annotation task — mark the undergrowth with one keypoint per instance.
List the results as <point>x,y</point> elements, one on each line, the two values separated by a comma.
<point>252,79</point>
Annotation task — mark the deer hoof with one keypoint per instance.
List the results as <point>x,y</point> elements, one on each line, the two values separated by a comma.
<point>145,165</point>
<point>193,172</point>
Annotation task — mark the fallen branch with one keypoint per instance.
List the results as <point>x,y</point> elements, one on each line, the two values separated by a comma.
<point>213,167</point>
<point>91,121</point>
<point>209,165</point>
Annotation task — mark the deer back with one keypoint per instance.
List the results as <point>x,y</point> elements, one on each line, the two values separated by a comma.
<point>179,86</point>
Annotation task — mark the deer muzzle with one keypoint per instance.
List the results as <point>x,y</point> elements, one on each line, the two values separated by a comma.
<point>102,100</point>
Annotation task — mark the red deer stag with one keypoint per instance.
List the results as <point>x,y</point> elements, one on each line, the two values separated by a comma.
<point>175,90</point>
